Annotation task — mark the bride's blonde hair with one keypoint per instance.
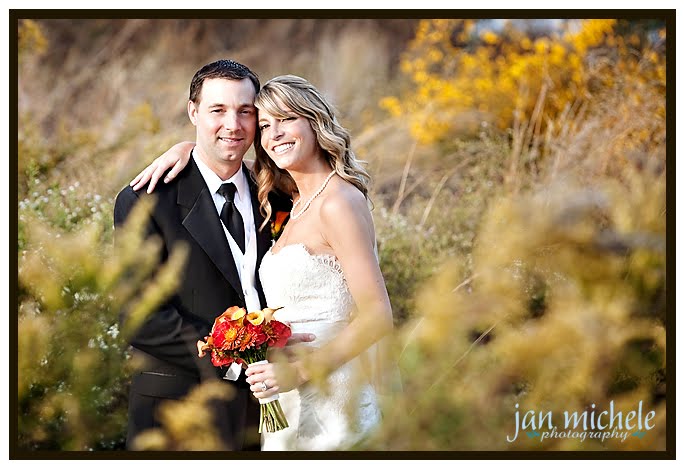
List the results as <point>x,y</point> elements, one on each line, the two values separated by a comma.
<point>303,99</point>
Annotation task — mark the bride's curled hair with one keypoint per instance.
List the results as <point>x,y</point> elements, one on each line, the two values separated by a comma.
<point>303,99</point>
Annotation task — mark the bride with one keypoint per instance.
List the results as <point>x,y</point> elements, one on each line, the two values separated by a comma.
<point>323,270</point>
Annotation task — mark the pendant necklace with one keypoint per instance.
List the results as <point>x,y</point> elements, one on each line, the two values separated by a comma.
<point>308,203</point>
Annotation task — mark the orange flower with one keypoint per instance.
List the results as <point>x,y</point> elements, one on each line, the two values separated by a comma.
<point>278,223</point>
<point>227,316</point>
<point>228,335</point>
<point>268,313</point>
<point>255,318</point>
<point>239,314</point>
<point>231,310</point>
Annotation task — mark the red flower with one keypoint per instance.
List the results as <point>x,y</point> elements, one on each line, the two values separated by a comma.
<point>258,337</point>
<point>277,333</point>
<point>227,335</point>
<point>220,358</point>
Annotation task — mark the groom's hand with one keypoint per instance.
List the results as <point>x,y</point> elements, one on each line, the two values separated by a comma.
<point>297,346</point>
<point>299,338</point>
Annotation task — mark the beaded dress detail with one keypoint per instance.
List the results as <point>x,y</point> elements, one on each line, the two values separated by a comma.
<point>316,299</point>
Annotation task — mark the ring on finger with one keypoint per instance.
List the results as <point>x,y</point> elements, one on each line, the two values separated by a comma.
<point>264,386</point>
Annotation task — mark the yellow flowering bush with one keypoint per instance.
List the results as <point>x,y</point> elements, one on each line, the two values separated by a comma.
<point>462,75</point>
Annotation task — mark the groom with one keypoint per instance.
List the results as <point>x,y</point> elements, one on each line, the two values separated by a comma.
<point>211,207</point>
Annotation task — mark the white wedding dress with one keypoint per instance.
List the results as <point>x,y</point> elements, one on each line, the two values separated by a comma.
<point>316,299</point>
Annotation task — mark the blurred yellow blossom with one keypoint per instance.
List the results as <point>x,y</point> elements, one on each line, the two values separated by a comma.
<point>454,70</point>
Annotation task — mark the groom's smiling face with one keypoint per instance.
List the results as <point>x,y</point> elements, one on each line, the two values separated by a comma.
<point>225,118</point>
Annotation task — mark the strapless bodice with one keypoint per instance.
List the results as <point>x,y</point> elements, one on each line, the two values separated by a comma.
<point>311,289</point>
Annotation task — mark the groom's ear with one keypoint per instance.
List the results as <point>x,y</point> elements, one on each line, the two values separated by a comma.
<point>192,112</point>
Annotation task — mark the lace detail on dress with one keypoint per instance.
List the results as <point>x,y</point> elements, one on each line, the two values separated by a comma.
<point>310,287</point>
<point>331,261</point>
<point>328,259</point>
<point>316,299</point>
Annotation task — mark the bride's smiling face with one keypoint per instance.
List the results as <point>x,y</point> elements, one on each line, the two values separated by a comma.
<point>289,140</point>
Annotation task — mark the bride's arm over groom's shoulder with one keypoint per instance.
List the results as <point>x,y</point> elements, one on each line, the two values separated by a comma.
<point>175,159</point>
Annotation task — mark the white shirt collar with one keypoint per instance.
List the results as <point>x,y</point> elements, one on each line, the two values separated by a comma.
<point>214,182</point>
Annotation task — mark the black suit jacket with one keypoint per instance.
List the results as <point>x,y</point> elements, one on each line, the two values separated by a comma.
<point>185,212</point>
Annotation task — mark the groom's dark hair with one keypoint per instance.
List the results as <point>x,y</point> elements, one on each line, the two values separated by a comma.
<point>226,69</point>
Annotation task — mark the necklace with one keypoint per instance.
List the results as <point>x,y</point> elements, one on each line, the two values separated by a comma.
<point>313,197</point>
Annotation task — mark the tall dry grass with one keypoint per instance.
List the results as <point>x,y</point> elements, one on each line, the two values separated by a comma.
<point>560,303</point>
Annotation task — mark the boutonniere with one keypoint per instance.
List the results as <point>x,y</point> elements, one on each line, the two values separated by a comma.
<point>278,223</point>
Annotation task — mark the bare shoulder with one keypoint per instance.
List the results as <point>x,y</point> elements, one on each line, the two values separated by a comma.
<point>345,201</point>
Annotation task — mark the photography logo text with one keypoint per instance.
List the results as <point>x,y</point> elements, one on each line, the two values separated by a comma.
<point>591,423</point>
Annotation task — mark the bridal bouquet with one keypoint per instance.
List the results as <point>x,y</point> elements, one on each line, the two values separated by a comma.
<point>243,338</point>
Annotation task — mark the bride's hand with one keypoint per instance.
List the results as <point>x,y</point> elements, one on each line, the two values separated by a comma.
<point>278,377</point>
<point>176,157</point>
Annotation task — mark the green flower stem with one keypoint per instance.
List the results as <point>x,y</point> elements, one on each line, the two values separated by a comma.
<point>272,418</point>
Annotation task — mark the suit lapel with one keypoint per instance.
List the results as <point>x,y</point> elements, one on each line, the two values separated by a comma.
<point>203,223</point>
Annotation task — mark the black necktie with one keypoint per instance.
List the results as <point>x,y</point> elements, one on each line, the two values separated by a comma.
<point>231,216</point>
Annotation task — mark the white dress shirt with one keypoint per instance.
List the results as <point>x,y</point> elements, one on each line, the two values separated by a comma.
<point>245,263</point>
